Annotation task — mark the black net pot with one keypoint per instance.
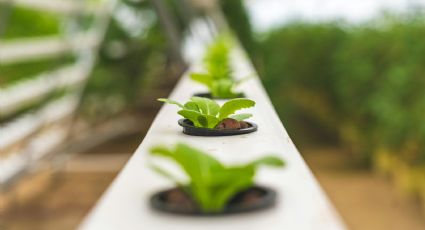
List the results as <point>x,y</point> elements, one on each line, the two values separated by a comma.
<point>253,199</point>
<point>208,95</point>
<point>190,129</point>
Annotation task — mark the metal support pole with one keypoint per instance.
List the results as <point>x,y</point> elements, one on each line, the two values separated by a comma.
<point>167,21</point>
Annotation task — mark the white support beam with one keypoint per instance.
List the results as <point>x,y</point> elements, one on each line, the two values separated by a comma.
<point>19,95</point>
<point>11,166</point>
<point>40,143</point>
<point>301,203</point>
<point>84,45</point>
<point>20,50</point>
<point>22,127</point>
<point>37,148</point>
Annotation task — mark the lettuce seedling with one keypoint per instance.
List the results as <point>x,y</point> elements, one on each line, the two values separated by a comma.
<point>218,77</point>
<point>207,113</point>
<point>211,184</point>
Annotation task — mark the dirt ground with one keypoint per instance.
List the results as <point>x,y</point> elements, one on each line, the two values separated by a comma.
<point>364,200</point>
<point>63,205</point>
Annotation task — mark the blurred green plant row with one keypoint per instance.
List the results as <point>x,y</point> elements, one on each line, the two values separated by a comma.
<point>364,83</point>
<point>359,86</point>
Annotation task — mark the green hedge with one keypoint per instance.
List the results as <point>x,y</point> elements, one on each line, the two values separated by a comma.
<point>363,84</point>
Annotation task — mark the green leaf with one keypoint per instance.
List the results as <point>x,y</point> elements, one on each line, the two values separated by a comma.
<point>225,184</point>
<point>225,177</point>
<point>268,160</point>
<point>161,151</point>
<point>208,121</point>
<point>199,166</point>
<point>202,169</point>
<point>191,115</point>
<point>206,106</point>
<point>241,117</point>
<point>203,121</point>
<point>190,105</point>
<point>218,77</point>
<point>171,102</point>
<point>223,88</point>
<point>231,106</point>
<point>223,194</point>
<point>203,78</point>
<point>194,162</point>
<point>217,59</point>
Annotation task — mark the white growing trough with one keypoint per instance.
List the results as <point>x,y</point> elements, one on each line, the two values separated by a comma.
<point>301,202</point>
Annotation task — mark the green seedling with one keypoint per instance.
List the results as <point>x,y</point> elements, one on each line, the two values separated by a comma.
<point>207,113</point>
<point>218,76</point>
<point>211,184</point>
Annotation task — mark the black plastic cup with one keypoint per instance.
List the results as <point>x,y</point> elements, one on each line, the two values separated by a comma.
<point>208,95</point>
<point>190,129</point>
<point>267,199</point>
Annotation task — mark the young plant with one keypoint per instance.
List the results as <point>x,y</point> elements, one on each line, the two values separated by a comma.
<point>211,184</point>
<point>207,113</point>
<point>218,77</point>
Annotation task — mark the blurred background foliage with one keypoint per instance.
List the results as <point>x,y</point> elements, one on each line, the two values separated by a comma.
<point>362,84</point>
<point>357,85</point>
<point>41,24</point>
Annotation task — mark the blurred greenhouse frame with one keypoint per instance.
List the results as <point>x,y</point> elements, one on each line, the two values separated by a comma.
<point>80,74</point>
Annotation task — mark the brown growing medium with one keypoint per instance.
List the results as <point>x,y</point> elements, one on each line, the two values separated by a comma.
<point>178,198</point>
<point>230,123</point>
